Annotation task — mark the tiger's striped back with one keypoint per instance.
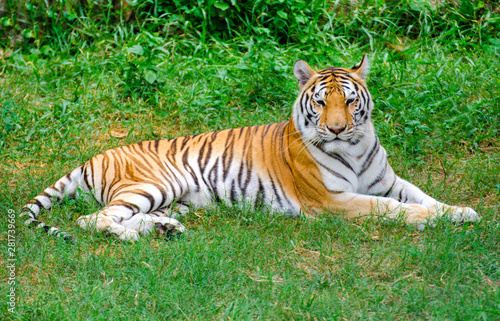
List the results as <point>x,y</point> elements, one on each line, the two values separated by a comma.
<point>229,165</point>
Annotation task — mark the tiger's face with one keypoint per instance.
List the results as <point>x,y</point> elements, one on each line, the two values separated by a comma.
<point>333,106</point>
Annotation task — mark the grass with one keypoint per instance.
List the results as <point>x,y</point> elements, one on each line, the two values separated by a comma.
<point>437,115</point>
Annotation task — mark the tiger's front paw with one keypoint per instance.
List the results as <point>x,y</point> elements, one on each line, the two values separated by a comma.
<point>456,214</point>
<point>462,214</point>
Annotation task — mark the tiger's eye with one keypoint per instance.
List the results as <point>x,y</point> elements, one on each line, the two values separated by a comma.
<point>320,102</point>
<point>350,101</point>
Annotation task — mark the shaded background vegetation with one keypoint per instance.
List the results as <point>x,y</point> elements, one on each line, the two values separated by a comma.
<point>34,23</point>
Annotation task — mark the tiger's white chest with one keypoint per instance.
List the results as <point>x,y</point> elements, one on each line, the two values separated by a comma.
<point>338,175</point>
<point>351,168</point>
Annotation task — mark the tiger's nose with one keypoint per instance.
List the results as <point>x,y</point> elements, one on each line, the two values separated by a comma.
<point>336,129</point>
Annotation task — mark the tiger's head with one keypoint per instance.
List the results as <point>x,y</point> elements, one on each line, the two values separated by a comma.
<point>334,105</point>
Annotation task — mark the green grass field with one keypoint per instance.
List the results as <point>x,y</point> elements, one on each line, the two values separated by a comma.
<point>437,113</point>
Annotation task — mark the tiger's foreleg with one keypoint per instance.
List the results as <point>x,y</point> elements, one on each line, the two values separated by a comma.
<point>358,205</point>
<point>408,193</point>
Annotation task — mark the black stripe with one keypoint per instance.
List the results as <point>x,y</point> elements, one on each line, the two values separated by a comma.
<point>261,195</point>
<point>104,183</point>
<point>379,177</point>
<point>92,181</point>
<point>275,190</point>
<point>390,189</point>
<point>227,155</point>
<point>233,194</point>
<point>28,211</point>
<point>148,196</point>
<point>44,193</point>
<point>38,203</point>
<point>190,170</point>
<point>213,176</point>
<point>173,147</point>
<point>85,178</point>
<point>130,206</point>
<point>241,131</point>
<point>340,159</point>
<point>334,172</point>
<point>369,159</point>
<point>200,160</point>
<point>185,140</point>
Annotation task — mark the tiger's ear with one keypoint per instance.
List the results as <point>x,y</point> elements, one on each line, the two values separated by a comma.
<point>362,68</point>
<point>303,72</point>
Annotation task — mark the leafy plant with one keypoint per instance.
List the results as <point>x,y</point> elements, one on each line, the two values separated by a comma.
<point>317,22</point>
<point>139,74</point>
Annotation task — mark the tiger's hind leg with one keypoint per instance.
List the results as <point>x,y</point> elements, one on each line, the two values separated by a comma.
<point>166,224</point>
<point>121,221</point>
<point>145,223</point>
<point>162,219</point>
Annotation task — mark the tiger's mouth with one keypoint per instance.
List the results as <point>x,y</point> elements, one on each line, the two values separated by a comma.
<point>332,138</point>
<point>343,136</point>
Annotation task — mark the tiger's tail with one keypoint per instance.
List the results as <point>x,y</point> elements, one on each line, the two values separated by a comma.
<point>65,188</point>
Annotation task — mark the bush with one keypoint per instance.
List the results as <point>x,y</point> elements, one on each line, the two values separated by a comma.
<point>70,22</point>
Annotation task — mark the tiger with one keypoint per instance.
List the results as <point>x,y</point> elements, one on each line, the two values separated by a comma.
<point>326,158</point>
